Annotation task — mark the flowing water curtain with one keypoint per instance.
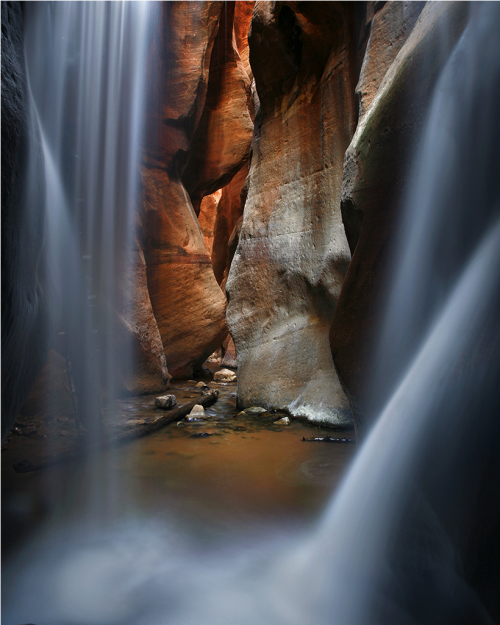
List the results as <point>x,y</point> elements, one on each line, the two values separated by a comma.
<point>412,535</point>
<point>383,552</point>
<point>86,69</point>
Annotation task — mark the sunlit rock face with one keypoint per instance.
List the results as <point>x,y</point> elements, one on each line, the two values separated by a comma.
<point>188,304</point>
<point>293,253</point>
<point>376,167</point>
<point>221,142</point>
<point>24,346</point>
<point>207,218</point>
<point>229,212</point>
<point>219,214</point>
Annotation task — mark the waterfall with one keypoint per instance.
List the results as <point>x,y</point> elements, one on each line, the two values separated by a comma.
<point>404,537</point>
<point>86,68</point>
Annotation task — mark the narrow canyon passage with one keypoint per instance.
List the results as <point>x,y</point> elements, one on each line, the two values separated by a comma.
<point>250,313</point>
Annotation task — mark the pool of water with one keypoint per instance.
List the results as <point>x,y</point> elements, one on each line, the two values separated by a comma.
<point>247,477</point>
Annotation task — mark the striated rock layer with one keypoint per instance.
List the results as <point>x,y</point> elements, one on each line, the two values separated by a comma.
<point>293,254</point>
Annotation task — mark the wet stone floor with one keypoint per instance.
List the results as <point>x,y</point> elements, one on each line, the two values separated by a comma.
<point>248,475</point>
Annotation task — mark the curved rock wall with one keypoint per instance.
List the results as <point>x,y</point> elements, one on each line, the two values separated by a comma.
<point>305,207</point>
<point>292,255</point>
<point>199,133</point>
<point>229,211</point>
<point>221,143</point>
<point>187,302</point>
<point>375,173</point>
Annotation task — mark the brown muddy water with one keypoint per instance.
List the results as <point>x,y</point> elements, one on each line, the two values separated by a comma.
<point>249,476</point>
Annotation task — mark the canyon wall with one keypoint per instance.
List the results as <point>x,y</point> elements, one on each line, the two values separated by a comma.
<point>24,308</point>
<point>293,254</point>
<point>376,168</point>
<point>322,70</point>
<point>198,138</point>
<point>245,188</point>
<point>187,302</point>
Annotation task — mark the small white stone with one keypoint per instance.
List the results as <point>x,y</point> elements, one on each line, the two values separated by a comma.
<point>255,410</point>
<point>282,421</point>
<point>196,414</point>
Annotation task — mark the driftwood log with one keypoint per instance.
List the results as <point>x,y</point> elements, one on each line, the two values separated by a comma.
<point>142,429</point>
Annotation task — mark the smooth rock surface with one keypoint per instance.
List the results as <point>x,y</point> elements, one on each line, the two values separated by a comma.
<point>229,359</point>
<point>229,212</point>
<point>376,167</point>
<point>254,410</point>
<point>146,371</point>
<point>390,28</point>
<point>242,18</point>
<point>292,254</point>
<point>231,251</point>
<point>187,302</point>
<point>207,218</point>
<point>221,142</point>
<point>282,421</point>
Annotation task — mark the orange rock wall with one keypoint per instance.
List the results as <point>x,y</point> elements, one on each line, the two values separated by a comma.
<point>208,217</point>
<point>187,302</point>
<point>221,143</point>
<point>229,211</point>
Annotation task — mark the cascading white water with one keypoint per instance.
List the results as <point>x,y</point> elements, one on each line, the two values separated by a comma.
<point>86,69</point>
<point>396,544</point>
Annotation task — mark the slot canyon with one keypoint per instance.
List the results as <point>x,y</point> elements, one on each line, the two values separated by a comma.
<point>250,313</point>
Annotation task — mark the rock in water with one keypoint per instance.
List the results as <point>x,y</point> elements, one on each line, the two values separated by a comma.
<point>254,410</point>
<point>196,414</point>
<point>165,401</point>
<point>225,375</point>
<point>282,421</point>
